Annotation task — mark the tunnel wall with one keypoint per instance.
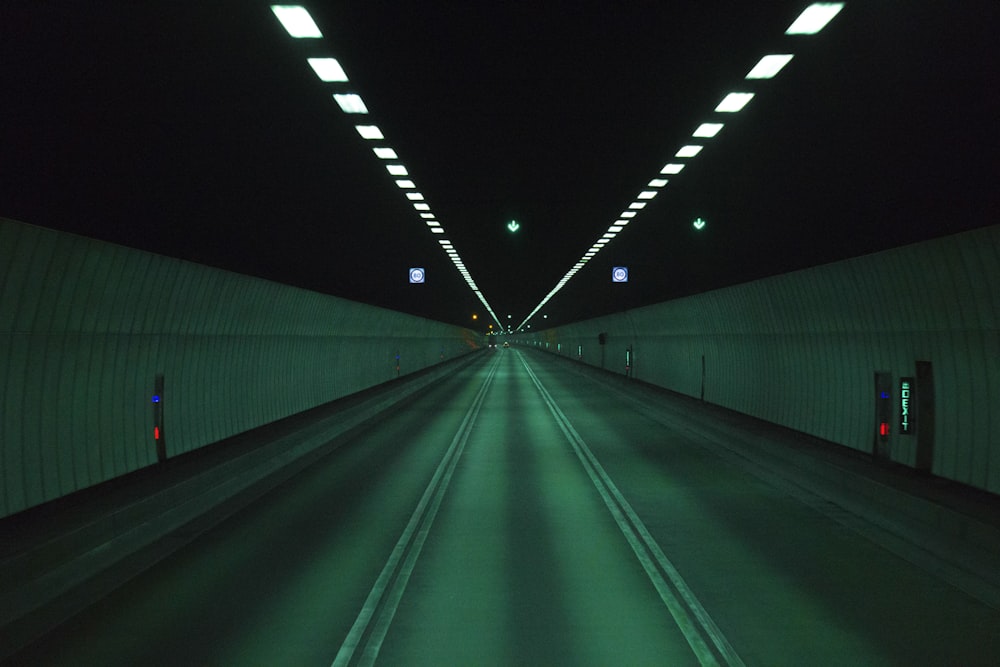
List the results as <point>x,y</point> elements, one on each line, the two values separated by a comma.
<point>802,350</point>
<point>86,326</point>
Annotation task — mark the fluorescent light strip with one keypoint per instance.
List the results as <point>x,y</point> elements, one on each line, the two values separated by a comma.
<point>414,196</point>
<point>406,184</point>
<point>296,21</point>
<point>734,102</point>
<point>811,21</point>
<point>328,70</point>
<point>707,130</point>
<point>769,66</point>
<point>369,132</point>
<point>350,103</point>
<point>396,170</point>
<point>385,154</point>
<point>420,206</point>
<point>814,18</point>
<point>646,194</point>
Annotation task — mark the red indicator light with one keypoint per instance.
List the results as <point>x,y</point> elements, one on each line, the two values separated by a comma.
<point>883,429</point>
<point>156,432</point>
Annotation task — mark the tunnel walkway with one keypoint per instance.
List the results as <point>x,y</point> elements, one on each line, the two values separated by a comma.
<point>524,511</point>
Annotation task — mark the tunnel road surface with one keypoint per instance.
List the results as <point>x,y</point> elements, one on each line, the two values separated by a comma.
<point>521,513</point>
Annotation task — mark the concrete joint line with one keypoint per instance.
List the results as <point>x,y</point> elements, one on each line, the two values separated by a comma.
<point>683,605</point>
<point>397,571</point>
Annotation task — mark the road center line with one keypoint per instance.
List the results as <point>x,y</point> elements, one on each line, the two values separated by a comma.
<point>646,549</point>
<point>422,517</point>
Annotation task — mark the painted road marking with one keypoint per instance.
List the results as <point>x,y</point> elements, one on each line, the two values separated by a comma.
<point>647,550</point>
<point>409,545</point>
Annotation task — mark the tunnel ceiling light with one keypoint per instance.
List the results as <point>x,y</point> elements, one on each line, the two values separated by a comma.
<point>672,168</point>
<point>437,230</point>
<point>688,151</point>
<point>396,170</point>
<point>814,18</point>
<point>414,196</point>
<point>734,102</point>
<point>708,130</point>
<point>385,154</point>
<point>406,184</point>
<point>657,183</point>
<point>369,132</point>
<point>647,194</point>
<point>769,66</point>
<point>637,205</point>
<point>621,222</point>
<point>297,21</point>
<point>427,216</point>
<point>433,223</point>
<point>350,102</point>
<point>627,214</point>
<point>615,228</point>
<point>328,70</point>
<point>421,206</point>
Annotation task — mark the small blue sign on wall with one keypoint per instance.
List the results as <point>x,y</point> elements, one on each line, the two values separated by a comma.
<point>417,275</point>
<point>619,274</point>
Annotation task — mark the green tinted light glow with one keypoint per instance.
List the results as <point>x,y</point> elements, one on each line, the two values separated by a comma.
<point>513,226</point>
<point>297,21</point>
<point>814,18</point>
<point>768,66</point>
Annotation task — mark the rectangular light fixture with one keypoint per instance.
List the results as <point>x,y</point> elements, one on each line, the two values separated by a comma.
<point>734,102</point>
<point>421,206</point>
<point>385,154</point>
<point>609,235</point>
<point>615,228</point>
<point>657,182</point>
<point>350,103</point>
<point>621,223</point>
<point>328,69</point>
<point>297,21</point>
<point>396,170</point>
<point>671,168</point>
<point>814,18</point>
<point>628,214</point>
<point>406,184</point>
<point>433,223</point>
<point>637,205</point>
<point>369,131</point>
<point>647,194</point>
<point>688,151</point>
<point>707,130</point>
<point>768,66</point>
<point>414,196</point>
<point>427,216</point>
<point>437,230</point>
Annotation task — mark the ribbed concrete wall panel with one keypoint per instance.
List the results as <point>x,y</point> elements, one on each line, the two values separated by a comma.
<point>802,349</point>
<point>85,327</point>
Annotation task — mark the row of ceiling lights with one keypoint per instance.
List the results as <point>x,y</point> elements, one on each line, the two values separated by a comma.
<point>299,24</point>
<point>813,19</point>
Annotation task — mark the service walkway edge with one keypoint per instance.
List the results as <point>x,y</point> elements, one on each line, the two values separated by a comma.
<point>946,528</point>
<point>58,558</point>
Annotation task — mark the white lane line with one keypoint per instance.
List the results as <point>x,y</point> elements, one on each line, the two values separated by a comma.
<point>423,516</point>
<point>646,548</point>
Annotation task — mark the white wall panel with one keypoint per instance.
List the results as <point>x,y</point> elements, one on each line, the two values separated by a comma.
<point>86,326</point>
<point>801,349</point>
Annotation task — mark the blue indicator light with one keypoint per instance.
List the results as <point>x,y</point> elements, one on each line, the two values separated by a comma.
<point>156,398</point>
<point>885,394</point>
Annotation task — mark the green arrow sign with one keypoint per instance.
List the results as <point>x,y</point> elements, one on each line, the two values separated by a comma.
<point>513,226</point>
<point>699,223</point>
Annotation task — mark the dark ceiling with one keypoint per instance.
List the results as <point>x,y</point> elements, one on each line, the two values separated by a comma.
<point>197,130</point>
